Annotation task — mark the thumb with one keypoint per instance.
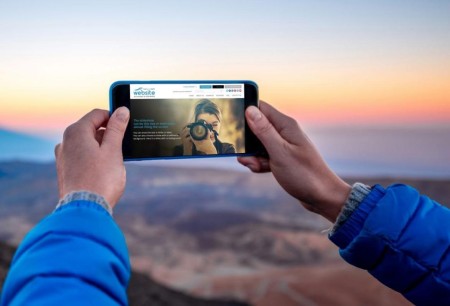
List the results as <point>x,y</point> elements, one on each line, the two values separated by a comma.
<point>264,130</point>
<point>115,129</point>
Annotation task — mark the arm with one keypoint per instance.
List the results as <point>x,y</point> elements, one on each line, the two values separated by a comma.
<point>77,255</point>
<point>399,236</point>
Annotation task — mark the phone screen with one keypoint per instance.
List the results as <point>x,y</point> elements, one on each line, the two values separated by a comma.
<point>186,119</point>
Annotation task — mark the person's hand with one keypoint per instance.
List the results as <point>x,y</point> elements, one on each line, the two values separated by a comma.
<point>295,162</point>
<point>206,145</point>
<point>186,141</point>
<point>90,155</point>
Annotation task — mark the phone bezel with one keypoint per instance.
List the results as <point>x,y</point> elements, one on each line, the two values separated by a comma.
<point>119,95</point>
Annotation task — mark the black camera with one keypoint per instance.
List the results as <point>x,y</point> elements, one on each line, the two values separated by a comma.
<point>199,130</point>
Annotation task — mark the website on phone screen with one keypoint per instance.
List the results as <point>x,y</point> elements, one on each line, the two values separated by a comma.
<point>169,120</point>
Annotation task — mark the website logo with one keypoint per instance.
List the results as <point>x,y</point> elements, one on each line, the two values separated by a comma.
<point>143,92</point>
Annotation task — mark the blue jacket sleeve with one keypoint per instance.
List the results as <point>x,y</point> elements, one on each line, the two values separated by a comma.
<point>402,239</point>
<point>75,256</point>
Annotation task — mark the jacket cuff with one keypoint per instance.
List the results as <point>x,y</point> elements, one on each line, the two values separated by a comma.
<point>357,195</point>
<point>344,234</point>
<point>83,195</point>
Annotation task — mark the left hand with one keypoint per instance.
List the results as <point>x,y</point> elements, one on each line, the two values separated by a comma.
<point>90,156</point>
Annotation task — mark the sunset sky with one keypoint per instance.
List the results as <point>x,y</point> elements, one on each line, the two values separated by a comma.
<point>323,62</point>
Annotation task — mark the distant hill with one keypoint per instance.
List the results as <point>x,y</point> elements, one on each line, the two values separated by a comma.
<point>409,151</point>
<point>406,151</point>
<point>19,146</point>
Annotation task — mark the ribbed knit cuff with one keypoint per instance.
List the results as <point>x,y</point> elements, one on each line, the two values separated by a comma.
<point>346,232</point>
<point>356,196</point>
<point>83,195</point>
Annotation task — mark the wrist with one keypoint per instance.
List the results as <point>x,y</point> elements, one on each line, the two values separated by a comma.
<point>333,198</point>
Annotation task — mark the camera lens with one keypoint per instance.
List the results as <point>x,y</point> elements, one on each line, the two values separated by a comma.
<point>198,131</point>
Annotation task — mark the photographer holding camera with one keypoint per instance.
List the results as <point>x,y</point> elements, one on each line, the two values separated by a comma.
<point>201,136</point>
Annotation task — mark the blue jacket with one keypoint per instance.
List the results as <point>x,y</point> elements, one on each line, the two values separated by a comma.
<point>75,256</point>
<point>402,239</point>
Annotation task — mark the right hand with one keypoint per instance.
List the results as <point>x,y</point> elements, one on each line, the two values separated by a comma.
<point>206,145</point>
<point>186,140</point>
<point>295,162</point>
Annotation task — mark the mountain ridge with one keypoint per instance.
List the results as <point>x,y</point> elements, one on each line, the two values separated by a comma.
<point>22,146</point>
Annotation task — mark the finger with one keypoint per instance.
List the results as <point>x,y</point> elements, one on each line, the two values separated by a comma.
<point>99,135</point>
<point>115,129</point>
<point>95,119</point>
<point>57,150</point>
<point>286,126</point>
<point>265,131</point>
<point>86,128</point>
<point>185,132</point>
<point>255,164</point>
<point>58,162</point>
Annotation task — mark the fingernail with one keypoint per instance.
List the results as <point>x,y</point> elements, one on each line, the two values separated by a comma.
<point>122,113</point>
<point>254,113</point>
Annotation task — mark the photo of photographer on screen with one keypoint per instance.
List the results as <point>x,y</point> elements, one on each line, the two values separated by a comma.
<point>187,127</point>
<point>201,137</point>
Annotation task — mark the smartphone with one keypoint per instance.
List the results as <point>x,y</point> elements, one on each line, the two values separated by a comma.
<point>184,119</point>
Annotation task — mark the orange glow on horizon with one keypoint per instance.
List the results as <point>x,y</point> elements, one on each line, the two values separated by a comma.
<point>324,95</point>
